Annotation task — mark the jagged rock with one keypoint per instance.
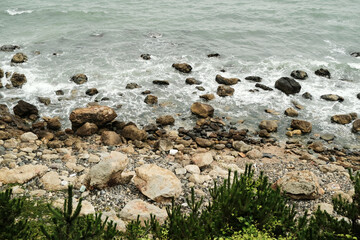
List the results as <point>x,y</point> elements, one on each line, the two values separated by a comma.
<point>356,126</point>
<point>132,132</point>
<point>300,185</point>
<point>302,125</point>
<point>291,112</point>
<point>110,138</point>
<point>213,55</point>
<point>19,58</point>
<point>202,110</point>
<point>91,92</point>
<point>28,137</point>
<point>342,119</point>
<point>139,209</point>
<point>51,181</point>
<point>182,67</point>
<point>299,74</point>
<point>161,82</point>
<point>307,95</point>
<point>288,85</point>
<point>79,78</point>
<point>202,159</point>
<point>9,48</point>
<point>323,73</point>
<point>226,81</point>
<point>145,56</point>
<point>87,129</point>
<point>241,146</point>
<point>208,96</point>
<point>17,80</point>
<point>44,100</point>
<point>132,86</point>
<point>21,174</point>
<point>224,91</point>
<point>25,109</point>
<point>192,81</point>
<point>254,78</point>
<point>151,99</point>
<point>263,87</point>
<point>165,120</point>
<point>269,125</point>
<point>157,183</point>
<point>332,97</point>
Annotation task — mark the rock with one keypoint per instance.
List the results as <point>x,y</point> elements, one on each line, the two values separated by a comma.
<point>145,56</point>
<point>288,85</point>
<point>254,78</point>
<point>132,132</point>
<point>165,120</point>
<point>87,129</point>
<point>269,125</point>
<point>241,146</point>
<point>53,123</point>
<point>202,142</point>
<point>146,92</point>
<point>291,112</point>
<point>100,115</point>
<point>4,135</point>
<point>110,138</point>
<point>199,179</point>
<point>151,99</point>
<point>208,96</point>
<point>8,48</point>
<point>160,82</point>
<point>132,86</point>
<point>342,119</point>
<point>25,109</point>
<point>213,55</point>
<point>194,169</point>
<point>59,92</point>
<point>299,74</point>
<point>358,95</point>
<point>86,208</point>
<point>327,137</point>
<point>332,97</point>
<point>79,78</point>
<point>138,208</point>
<point>108,171</point>
<point>44,100</point>
<point>19,58</point>
<point>51,181</point>
<point>17,80</point>
<point>202,110</point>
<point>21,174</point>
<point>353,115</point>
<point>254,154</point>
<point>192,81</point>
<point>324,207</point>
<point>157,183</point>
<point>302,125</point>
<point>55,144</point>
<point>91,92</point>
<point>1,73</point>
<point>264,133</point>
<point>317,147</point>
<point>355,54</point>
<point>200,88</point>
<point>300,185</point>
<point>224,91</point>
<point>356,126</point>
<point>263,87</point>
<point>182,67</point>
<point>164,145</point>
<point>323,73</point>
<point>307,95</point>
<point>202,159</point>
<point>226,81</point>
<point>28,137</point>
<point>111,216</point>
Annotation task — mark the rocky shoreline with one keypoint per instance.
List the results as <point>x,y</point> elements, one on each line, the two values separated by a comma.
<point>119,168</point>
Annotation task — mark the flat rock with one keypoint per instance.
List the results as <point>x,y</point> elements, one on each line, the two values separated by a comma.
<point>226,81</point>
<point>182,67</point>
<point>202,110</point>
<point>263,87</point>
<point>192,81</point>
<point>161,82</point>
<point>21,174</point>
<point>342,119</point>
<point>253,78</point>
<point>269,125</point>
<point>203,142</point>
<point>138,207</point>
<point>8,48</point>
<point>51,181</point>
<point>307,95</point>
<point>208,96</point>
<point>199,179</point>
<point>288,85</point>
<point>202,159</point>
<point>224,91</point>
<point>302,125</point>
<point>254,154</point>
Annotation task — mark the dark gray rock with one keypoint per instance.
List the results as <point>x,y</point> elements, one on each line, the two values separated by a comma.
<point>254,78</point>
<point>358,95</point>
<point>288,85</point>
<point>79,78</point>
<point>355,54</point>
<point>323,73</point>
<point>182,67</point>
<point>299,74</point>
<point>91,92</point>
<point>132,86</point>
<point>25,109</point>
<point>263,87</point>
<point>224,91</point>
<point>213,55</point>
<point>8,48</point>
<point>145,56</point>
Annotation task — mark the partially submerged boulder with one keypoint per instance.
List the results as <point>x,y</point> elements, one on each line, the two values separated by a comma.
<point>299,74</point>
<point>342,119</point>
<point>356,126</point>
<point>323,73</point>
<point>288,85</point>
<point>224,91</point>
<point>19,58</point>
<point>182,67</point>
<point>202,110</point>
<point>17,80</point>
<point>226,81</point>
<point>79,78</point>
<point>302,125</point>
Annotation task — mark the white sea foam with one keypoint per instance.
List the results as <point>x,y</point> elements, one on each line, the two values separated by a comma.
<point>16,11</point>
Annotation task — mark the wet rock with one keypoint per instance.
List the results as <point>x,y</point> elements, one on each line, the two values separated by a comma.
<point>358,95</point>
<point>79,78</point>
<point>17,80</point>
<point>307,95</point>
<point>91,92</point>
<point>25,109</point>
<point>241,146</point>
<point>200,88</point>
<point>317,147</point>
<point>21,174</point>
<point>44,100</point>
<point>213,55</point>
<point>355,54</point>
<point>182,67</point>
<point>202,110</point>
<point>332,97</point>
<point>108,171</point>
<point>202,159</point>
<point>59,92</point>
<point>100,115</point>
<point>19,58</point>
<point>254,78</point>
<point>327,137</point>
<point>146,92</point>
<point>342,119</point>
<point>226,81</point>
<point>51,181</point>
<point>291,112</point>
<point>302,125</point>
<point>300,185</point>
<point>263,87</point>
<point>161,82</point>
<point>151,99</point>
<point>288,85</point>
<point>157,183</point>
<point>165,120</point>
<point>192,81</point>
<point>1,73</point>
<point>224,91</point>
<point>353,115</point>
<point>323,73</point>
<point>53,123</point>
<point>9,48</point>
<point>132,132</point>
<point>208,96</point>
<point>202,142</point>
<point>87,129</point>
<point>356,126</point>
<point>145,56</point>
<point>132,86</point>
<point>110,138</point>
<point>299,74</point>
<point>139,210</point>
<point>269,125</point>
<point>28,137</point>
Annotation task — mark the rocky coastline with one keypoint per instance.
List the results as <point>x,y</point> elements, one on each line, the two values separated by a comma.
<point>124,170</point>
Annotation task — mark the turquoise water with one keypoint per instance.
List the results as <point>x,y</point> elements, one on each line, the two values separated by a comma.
<point>104,40</point>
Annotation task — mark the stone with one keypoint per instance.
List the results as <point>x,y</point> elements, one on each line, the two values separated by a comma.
<point>241,146</point>
<point>161,82</point>
<point>108,171</point>
<point>21,174</point>
<point>264,133</point>
<point>356,126</point>
<point>151,99</point>
<point>355,54</point>
<point>53,123</point>
<point>164,145</point>
<point>291,112</point>
<point>192,81</point>
<point>4,135</point>
<point>324,207</point>
<point>19,58</point>
<point>332,97</point>
<point>300,185</point>
<point>203,142</point>
<point>202,110</point>
<point>194,169</point>
<point>100,115</point>
<point>145,56</point>
<point>110,138</point>
<point>323,73</point>
<point>307,95</point>
<point>55,144</point>
<point>91,92</point>
<point>44,100</point>
<point>342,195</point>
<point>132,86</point>
<point>86,208</point>
<point>213,55</point>
<point>317,147</point>
<point>8,48</point>
<point>157,183</point>
<point>138,208</point>
<point>165,120</point>
<point>182,67</point>
<point>263,87</point>
<point>358,95</point>
<point>299,74</point>
<point>199,179</point>
<point>302,125</point>
<point>111,216</point>
<point>326,168</point>
<point>25,109</point>
<point>341,119</point>
<point>208,96</point>
<point>226,81</point>
<point>28,137</point>
<point>269,125</point>
<point>18,80</point>
<point>79,78</point>
<point>287,85</point>
<point>254,154</point>
<point>254,78</point>
<point>132,132</point>
<point>202,159</point>
<point>200,88</point>
<point>51,181</point>
<point>224,91</point>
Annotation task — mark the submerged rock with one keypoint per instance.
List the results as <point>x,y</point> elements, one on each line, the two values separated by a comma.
<point>91,92</point>
<point>355,54</point>
<point>213,55</point>
<point>269,125</point>
<point>323,73</point>
<point>254,78</point>
<point>19,58</point>
<point>224,91</point>
<point>358,95</point>
<point>299,74</point>
<point>202,110</point>
<point>226,81</point>
<point>132,86</point>
<point>182,67</point>
<point>17,80</point>
<point>332,97</point>
<point>44,100</point>
<point>356,126</point>
<point>288,85</point>
<point>79,78</point>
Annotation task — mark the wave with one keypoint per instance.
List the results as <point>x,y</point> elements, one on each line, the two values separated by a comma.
<point>16,11</point>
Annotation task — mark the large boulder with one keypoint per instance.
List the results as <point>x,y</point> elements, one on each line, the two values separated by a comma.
<point>302,125</point>
<point>332,97</point>
<point>19,58</point>
<point>132,132</point>
<point>342,119</point>
<point>254,78</point>
<point>202,110</point>
<point>224,91</point>
<point>139,209</point>
<point>21,174</point>
<point>288,85</point>
<point>269,125</point>
<point>157,183</point>
<point>182,67</point>
<point>108,171</point>
<point>356,126</point>
<point>17,80</point>
<point>299,74</point>
<point>291,112</point>
<point>79,78</point>
<point>300,185</point>
<point>323,73</point>
<point>100,115</point>
<point>226,81</point>
<point>87,129</point>
<point>25,109</point>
